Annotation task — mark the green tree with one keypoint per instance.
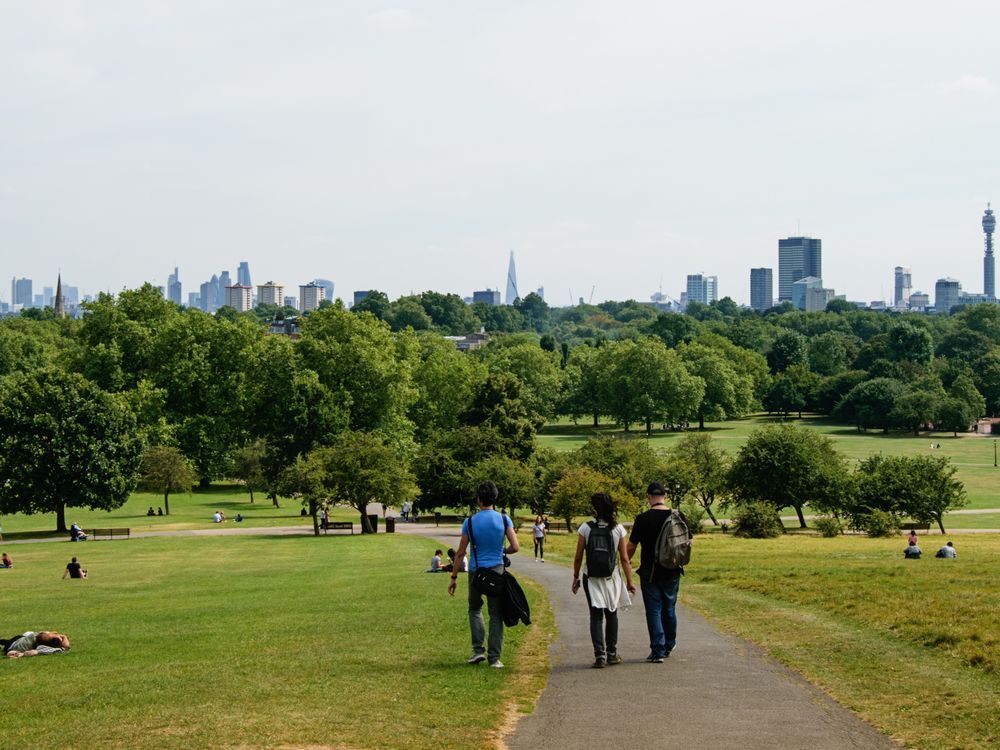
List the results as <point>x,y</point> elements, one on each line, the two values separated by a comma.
<point>360,468</point>
<point>678,476</point>
<point>538,370</point>
<point>515,481</point>
<point>444,464</point>
<point>248,465</point>
<point>964,389</point>
<point>788,348</point>
<point>446,381</point>
<point>729,394</point>
<point>954,414</point>
<point>870,404</point>
<point>535,312</point>
<point>789,467</point>
<point>921,487</point>
<point>571,494</point>
<point>449,313</point>
<point>305,478</point>
<point>586,383</point>
<point>830,352</point>
<point>632,463</point>
<point>375,302</point>
<point>497,403</point>
<point>165,470</point>
<point>65,443</point>
<point>911,344</point>
<point>407,312</point>
<point>710,465</point>
<point>674,329</point>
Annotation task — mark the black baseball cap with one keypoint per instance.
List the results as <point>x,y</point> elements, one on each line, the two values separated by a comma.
<point>655,488</point>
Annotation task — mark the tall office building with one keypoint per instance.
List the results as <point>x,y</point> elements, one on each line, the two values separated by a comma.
<point>310,295</point>
<point>243,274</point>
<point>194,300</point>
<point>761,289</point>
<point>206,295</point>
<point>798,257</point>
<point>271,294</point>
<point>174,291</point>
<point>239,297</point>
<point>903,287</point>
<point>224,282</point>
<point>326,284</point>
<point>360,295</point>
<point>511,282</point>
<point>487,296</point>
<point>48,296</point>
<point>946,294</point>
<point>989,269</point>
<point>701,288</point>
<point>800,289</point>
<point>20,292</point>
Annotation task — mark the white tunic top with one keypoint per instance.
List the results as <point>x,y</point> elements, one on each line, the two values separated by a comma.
<point>606,593</point>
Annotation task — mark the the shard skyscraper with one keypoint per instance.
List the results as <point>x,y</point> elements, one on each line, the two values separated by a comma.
<point>511,282</point>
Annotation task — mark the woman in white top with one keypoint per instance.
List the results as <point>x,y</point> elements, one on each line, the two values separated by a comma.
<point>538,532</point>
<point>604,592</point>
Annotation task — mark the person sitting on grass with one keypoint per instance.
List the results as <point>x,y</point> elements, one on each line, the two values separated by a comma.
<point>947,552</point>
<point>74,570</point>
<point>6,562</point>
<point>159,511</point>
<point>76,533</point>
<point>217,517</point>
<point>150,512</point>
<point>41,643</point>
<point>436,563</point>
<point>912,552</point>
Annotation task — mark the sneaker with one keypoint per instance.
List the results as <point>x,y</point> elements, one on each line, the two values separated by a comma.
<point>614,660</point>
<point>542,560</point>
<point>497,664</point>
<point>476,659</point>
<point>598,664</point>
<point>656,660</point>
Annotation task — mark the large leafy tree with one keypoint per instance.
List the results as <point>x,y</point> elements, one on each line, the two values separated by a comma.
<point>788,348</point>
<point>789,467</point>
<point>631,463</point>
<point>870,404</point>
<point>586,383</point>
<point>710,465</point>
<point>921,487</point>
<point>498,404</point>
<point>729,393</point>
<point>64,443</point>
<point>911,344</point>
<point>446,381</point>
<point>165,470</point>
<point>571,494</point>
<point>538,370</point>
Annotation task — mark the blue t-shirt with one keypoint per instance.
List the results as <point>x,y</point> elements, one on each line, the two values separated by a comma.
<point>488,528</point>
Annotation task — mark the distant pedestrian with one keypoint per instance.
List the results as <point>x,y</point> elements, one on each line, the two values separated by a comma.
<point>602,541</point>
<point>74,570</point>
<point>484,534</point>
<point>5,561</point>
<point>659,584</point>
<point>947,552</point>
<point>538,533</point>
<point>405,511</point>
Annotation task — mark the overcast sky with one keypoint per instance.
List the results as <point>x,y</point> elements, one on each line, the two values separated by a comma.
<point>411,146</point>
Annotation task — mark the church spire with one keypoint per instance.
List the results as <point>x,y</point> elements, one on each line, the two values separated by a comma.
<point>60,309</point>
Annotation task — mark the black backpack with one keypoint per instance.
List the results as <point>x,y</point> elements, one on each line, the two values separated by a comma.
<point>602,553</point>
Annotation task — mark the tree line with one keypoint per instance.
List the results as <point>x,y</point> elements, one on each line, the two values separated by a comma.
<point>140,388</point>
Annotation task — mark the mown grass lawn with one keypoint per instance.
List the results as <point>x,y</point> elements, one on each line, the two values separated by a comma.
<point>254,642</point>
<point>971,455</point>
<point>911,645</point>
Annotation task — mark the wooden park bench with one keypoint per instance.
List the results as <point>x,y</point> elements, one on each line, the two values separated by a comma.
<point>96,534</point>
<point>558,526</point>
<point>437,520</point>
<point>337,526</point>
<point>915,526</point>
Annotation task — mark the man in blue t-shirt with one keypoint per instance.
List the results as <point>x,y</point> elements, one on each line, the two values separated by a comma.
<point>488,531</point>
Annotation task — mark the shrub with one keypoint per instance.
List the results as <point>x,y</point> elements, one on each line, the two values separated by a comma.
<point>757,521</point>
<point>695,515</point>
<point>880,523</point>
<point>829,527</point>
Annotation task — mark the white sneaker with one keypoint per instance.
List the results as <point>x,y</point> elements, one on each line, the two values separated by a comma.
<point>476,659</point>
<point>497,664</point>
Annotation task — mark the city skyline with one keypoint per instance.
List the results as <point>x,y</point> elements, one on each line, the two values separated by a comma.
<point>619,142</point>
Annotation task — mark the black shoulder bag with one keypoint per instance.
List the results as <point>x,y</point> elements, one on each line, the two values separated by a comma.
<point>487,582</point>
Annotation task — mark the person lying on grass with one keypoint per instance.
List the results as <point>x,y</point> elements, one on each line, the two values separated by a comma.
<point>31,643</point>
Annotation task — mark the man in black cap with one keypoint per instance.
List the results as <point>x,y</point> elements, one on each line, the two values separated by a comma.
<point>659,584</point>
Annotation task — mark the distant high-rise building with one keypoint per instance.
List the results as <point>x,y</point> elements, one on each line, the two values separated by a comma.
<point>702,288</point>
<point>946,293</point>
<point>761,289</point>
<point>903,286</point>
<point>511,282</point>
<point>243,274</point>
<point>360,295</point>
<point>326,284</point>
<point>798,257</point>
<point>271,294</point>
<point>240,297</point>
<point>48,296</point>
<point>541,292</point>
<point>799,288</point>
<point>817,298</point>
<point>291,301</point>
<point>194,300</point>
<point>20,292</point>
<point>989,269</point>
<point>71,294</point>
<point>207,295</point>
<point>310,295</point>
<point>174,291</point>
<point>919,301</point>
<point>224,282</point>
<point>487,296</point>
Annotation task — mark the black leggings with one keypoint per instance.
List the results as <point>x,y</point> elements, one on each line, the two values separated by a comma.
<point>540,548</point>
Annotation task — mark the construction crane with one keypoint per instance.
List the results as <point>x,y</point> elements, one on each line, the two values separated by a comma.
<point>590,301</point>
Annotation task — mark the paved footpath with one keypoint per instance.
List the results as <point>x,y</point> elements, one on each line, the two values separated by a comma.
<point>715,692</point>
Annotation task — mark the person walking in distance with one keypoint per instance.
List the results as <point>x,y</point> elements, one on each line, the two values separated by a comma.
<point>538,533</point>
<point>603,541</point>
<point>483,535</point>
<point>659,584</point>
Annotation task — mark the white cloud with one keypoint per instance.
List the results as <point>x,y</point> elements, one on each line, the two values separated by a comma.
<point>395,20</point>
<point>972,85</point>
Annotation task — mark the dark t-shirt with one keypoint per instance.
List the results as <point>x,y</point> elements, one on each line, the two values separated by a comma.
<point>645,532</point>
<point>74,570</point>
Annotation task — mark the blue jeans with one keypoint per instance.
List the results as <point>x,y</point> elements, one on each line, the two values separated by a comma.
<point>660,598</point>
<point>477,626</point>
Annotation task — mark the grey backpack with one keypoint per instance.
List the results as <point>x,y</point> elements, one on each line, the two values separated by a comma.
<point>673,545</point>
